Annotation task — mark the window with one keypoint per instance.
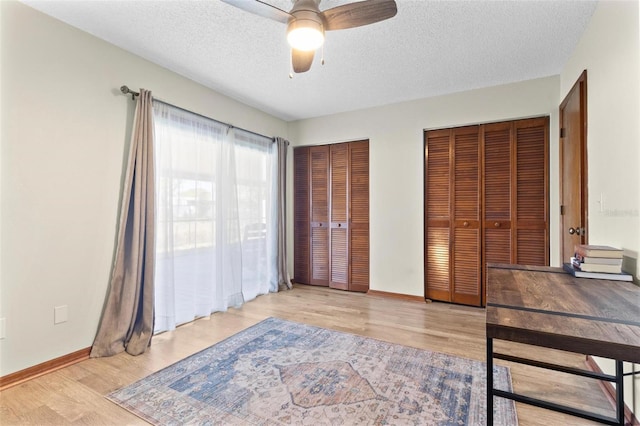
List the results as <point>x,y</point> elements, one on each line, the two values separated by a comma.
<point>215,226</point>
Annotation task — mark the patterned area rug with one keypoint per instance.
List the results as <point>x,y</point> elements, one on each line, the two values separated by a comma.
<point>285,373</point>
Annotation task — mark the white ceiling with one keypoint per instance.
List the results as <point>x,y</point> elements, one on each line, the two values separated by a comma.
<point>429,48</point>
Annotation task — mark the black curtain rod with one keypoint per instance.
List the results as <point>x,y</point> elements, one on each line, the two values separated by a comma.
<point>126,91</point>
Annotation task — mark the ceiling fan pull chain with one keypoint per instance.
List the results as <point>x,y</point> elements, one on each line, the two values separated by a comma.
<point>322,62</point>
<point>291,64</point>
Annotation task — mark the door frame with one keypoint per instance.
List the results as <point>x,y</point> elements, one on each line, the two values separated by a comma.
<point>581,86</point>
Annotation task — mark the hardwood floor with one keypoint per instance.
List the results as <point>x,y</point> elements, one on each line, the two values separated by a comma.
<point>75,394</point>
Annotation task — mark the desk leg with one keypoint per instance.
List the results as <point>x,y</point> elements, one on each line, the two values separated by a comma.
<point>489,381</point>
<point>620,392</point>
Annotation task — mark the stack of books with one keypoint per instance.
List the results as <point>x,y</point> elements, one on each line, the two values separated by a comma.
<point>601,262</point>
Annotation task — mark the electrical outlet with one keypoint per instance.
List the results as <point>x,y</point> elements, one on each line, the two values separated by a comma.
<point>3,328</point>
<point>60,314</point>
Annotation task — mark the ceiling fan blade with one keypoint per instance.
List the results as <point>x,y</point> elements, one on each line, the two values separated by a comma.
<point>301,60</point>
<point>261,8</point>
<point>358,14</point>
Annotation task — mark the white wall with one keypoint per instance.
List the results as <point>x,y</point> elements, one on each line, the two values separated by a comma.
<point>65,130</point>
<point>610,52</point>
<point>395,134</point>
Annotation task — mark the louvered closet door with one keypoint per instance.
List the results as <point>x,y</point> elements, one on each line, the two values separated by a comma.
<point>498,152</point>
<point>301,226</point>
<point>466,249</point>
<point>437,223</point>
<point>531,227</point>
<point>486,201</point>
<point>339,231</point>
<point>319,229</point>
<point>359,216</point>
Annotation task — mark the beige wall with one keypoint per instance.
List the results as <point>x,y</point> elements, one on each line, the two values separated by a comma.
<point>610,52</point>
<point>64,134</point>
<point>395,134</point>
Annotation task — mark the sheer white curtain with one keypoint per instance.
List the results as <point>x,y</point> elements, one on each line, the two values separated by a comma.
<point>215,224</point>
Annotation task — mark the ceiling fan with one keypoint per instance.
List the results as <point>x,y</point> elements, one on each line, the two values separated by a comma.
<point>306,24</point>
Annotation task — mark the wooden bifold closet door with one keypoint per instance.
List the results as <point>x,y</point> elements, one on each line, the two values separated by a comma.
<point>331,218</point>
<point>452,183</point>
<point>486,200</point>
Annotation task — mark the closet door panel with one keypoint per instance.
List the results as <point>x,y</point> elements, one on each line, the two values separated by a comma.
<point>359,216</point>
<point>301,226</point>
<point>339,259</point>
<point>319,159</point>
<point>437,215</point>
<point>532,239</point>
<point>497,148</point>
<point>466,286</point>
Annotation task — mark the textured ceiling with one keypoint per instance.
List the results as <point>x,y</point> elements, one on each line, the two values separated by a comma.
<point>429,48</point>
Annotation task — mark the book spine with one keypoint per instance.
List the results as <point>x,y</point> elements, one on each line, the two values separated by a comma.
<point>609,254</point>
<point>598,260</point>
<point>596,267</point>
<point>597,275</point>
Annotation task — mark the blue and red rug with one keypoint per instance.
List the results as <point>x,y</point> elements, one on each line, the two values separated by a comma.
<point>285,373</point>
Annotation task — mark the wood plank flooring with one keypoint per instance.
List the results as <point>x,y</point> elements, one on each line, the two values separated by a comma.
<point>75,394</point>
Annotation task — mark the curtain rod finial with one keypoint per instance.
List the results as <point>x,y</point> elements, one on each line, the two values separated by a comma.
<point>125,90</point>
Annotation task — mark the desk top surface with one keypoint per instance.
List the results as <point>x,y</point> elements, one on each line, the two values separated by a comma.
<point>547,307</point>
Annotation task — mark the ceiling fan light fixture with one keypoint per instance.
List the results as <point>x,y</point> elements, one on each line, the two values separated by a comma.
<point>305,35</point>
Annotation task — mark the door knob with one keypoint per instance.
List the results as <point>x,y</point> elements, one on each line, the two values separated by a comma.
<point>577,230</point>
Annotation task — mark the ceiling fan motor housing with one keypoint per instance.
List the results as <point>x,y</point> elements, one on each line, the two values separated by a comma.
<point>307,17</point>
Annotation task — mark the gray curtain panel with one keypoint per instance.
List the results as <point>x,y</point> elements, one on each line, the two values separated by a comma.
<point>284,280</point>
<point>127,318</point>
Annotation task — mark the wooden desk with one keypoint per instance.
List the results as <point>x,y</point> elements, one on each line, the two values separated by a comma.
<point>547,307</point>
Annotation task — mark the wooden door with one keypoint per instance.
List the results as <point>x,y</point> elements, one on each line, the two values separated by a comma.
<point>339,230</point>
<point>452,210</point>
<point>301,216</point>
<point>437,218</point>
<point>359,216</point>
<point>531,190</point>
<point>319,221</point>
<point>486,201</point>
<point>573,168</point>
<point>465,207</point>
<point>331,217</point>
<point>516,192</point>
